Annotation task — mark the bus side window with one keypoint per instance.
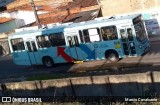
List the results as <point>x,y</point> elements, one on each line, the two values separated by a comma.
<point>29,46</point>
<point>109,33</point>
<point>34,46</point>
<point>123,35</point>
<point>91,35</point>
<point>70,41</point>
<point>76,41</point>
<point>94,34</point>
<point>81,36</point>
<point>17,44</point>
<point>47,42</point>
<point>57,39</point>
<point>39,42</point>
<point>130,35</point>
<point>43,41</point>
<point>86,36</point>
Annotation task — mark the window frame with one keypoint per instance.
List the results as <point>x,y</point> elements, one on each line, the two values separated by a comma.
<point>61,34</point>
<point>88,35</point>
<point>130,35</point>
<point>45,43</point>
<point>17,45</point>
<point>114,32</point>
<point>81,36</point>
<point>140,34</point>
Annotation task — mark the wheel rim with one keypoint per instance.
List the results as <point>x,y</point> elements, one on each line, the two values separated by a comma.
<point>112,57</point>
<point>48,62</point>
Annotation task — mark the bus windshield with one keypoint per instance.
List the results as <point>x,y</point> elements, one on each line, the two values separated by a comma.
<point>140,31</point>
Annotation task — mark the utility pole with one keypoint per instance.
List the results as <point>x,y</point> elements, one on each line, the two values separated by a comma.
<point>35,13</point>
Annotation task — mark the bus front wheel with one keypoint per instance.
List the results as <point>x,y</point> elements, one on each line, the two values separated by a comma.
<point>48,62</point>
<point>112,56</point>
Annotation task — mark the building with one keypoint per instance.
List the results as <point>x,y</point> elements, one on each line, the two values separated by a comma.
<point>55,10</point>
<point>113,7</point>
<point>3,4</point>
<point>7,24</point>
<point>49,12</point>
<point>150,9</point>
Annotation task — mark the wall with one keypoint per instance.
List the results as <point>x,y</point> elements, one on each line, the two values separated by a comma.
<point>5,27</point>
<point>149,8</point>
<point>5,14</point>
<point>141,84</point>
<point>4,47</point>
<point>22,17</point>
<point>8,26</point>
<point>112,7</point>
<point>5,2</point>
<point>37,2</point>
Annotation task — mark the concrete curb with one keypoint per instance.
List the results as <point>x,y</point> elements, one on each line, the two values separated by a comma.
<point>140,84</point>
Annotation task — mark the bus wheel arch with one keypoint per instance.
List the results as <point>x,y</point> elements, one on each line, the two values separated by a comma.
<point>112,55</point>
<point>47,61</point>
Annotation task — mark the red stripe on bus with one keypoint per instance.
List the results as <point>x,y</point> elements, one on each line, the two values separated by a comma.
<point>63,54</point>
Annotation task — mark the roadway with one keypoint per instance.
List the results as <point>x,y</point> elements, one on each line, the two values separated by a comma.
<point>148,61</point>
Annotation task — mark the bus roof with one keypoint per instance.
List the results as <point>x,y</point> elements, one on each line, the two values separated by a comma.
<point>61,27</point>
<point>58,28</point>
<point>109,20</point>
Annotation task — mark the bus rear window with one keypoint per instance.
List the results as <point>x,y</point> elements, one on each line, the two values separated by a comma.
<point>17,44</point>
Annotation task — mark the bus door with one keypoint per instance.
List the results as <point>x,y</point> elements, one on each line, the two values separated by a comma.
<point>128,43</point>
<point>32,52</point>
<point>74,49</point>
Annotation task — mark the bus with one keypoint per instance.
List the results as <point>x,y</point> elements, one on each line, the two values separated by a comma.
<point>102,38</point>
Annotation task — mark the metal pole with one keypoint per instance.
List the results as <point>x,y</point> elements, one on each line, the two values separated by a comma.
<point>35,13</point>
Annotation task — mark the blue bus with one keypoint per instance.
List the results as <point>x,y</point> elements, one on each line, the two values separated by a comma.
<point>102,38</point>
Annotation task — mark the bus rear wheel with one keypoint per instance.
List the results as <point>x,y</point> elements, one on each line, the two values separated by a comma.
<point>48,62</point>
<point>112,56</point>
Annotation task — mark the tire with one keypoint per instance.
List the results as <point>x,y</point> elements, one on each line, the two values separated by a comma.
<point>48,62</point>
<point>112,56</point>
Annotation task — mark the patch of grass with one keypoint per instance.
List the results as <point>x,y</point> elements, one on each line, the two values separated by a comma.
<point>53,76</point>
